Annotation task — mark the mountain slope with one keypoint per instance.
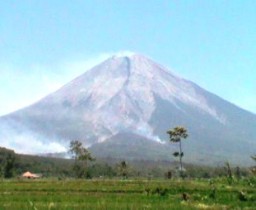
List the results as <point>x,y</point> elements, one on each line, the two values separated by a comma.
<point>136,97</point>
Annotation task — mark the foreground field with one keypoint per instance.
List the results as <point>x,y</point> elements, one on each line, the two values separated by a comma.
<point>126,194</point>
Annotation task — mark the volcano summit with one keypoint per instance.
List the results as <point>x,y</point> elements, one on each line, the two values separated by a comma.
<point>122,108</point>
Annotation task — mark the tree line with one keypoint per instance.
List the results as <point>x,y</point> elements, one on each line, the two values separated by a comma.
<point>84,165</point>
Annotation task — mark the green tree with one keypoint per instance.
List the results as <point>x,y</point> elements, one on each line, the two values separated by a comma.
<point>123,169</point>
<point>176,135</point>
<point>81,156</point>
<point>7,161</point>
<point>229,173</point>
<point>253,168</point>
<point>9,165</point>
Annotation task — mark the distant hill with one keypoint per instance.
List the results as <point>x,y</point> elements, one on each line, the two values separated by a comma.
<point>123,107</point>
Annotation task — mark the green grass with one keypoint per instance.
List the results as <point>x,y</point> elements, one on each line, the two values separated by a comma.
<point>126,194</point>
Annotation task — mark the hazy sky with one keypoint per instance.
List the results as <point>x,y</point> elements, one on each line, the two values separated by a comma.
<point>46,43</point>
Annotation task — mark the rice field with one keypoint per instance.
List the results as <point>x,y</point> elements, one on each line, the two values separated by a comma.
<point>126,194</point>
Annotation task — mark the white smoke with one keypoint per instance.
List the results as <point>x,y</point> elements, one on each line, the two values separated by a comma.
<point>29,145</point>
<point>146,130</point>
<point>124,54</point>
<point>27,142</point>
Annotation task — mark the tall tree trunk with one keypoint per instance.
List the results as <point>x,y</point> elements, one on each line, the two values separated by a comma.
<point>181,166</point>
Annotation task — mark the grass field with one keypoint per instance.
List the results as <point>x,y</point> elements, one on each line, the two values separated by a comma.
<point>127,194</point>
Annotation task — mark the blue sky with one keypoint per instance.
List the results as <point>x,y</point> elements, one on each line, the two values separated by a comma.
<point>46,43</point>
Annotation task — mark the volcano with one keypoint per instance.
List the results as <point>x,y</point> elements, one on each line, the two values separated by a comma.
<point>123,107</point>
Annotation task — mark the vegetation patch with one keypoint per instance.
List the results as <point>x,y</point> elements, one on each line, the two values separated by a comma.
<point>124,194</point>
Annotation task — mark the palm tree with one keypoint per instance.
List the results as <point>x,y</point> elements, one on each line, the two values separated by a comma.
<point>176,135</point>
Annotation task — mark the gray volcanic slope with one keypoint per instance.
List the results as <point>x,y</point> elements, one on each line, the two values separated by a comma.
<point>123,107</point>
